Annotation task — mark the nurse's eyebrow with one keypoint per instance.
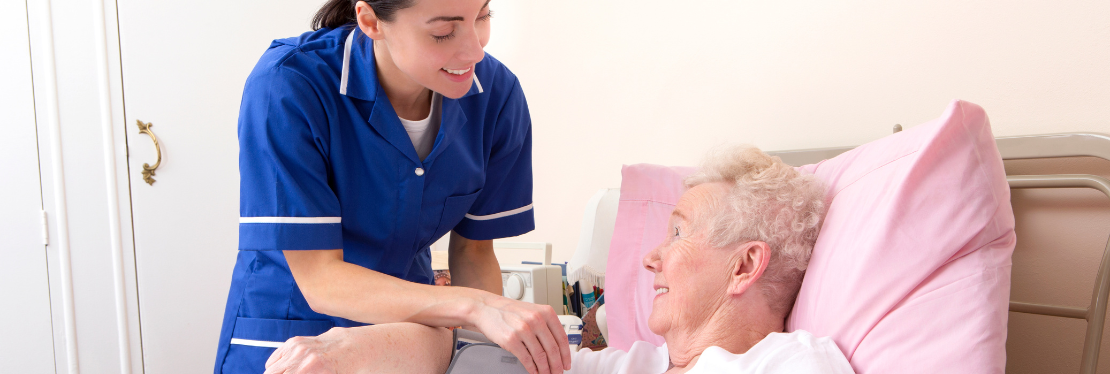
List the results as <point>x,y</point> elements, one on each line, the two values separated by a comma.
<point>445,18</point>
<point>454,18</point>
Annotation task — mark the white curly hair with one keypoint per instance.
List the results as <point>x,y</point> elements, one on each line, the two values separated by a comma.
<point>767,201</point>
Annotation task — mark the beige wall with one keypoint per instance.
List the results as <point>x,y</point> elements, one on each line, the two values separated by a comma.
<point>619,81</point>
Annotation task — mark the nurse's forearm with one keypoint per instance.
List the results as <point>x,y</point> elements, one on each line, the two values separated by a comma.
<point>337,288</point>
<point>531,332</point>
<point>473,264</point>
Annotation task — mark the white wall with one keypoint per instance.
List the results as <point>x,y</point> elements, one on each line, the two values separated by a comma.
<point>618,82</point>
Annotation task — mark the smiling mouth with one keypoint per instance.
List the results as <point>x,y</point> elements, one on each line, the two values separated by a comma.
<point>662,290</point>
<point>457,72</point>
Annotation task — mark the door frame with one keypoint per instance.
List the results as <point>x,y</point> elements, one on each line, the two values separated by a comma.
<point>86,193</point>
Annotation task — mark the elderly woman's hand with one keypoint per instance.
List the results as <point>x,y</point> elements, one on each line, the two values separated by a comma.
<point>311,354</point>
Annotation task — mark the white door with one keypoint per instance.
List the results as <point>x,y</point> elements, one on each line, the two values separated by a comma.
<point>27,344</point>
<point>184,65</point>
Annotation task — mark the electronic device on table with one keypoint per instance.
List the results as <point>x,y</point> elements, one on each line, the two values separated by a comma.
<point>539,284</point>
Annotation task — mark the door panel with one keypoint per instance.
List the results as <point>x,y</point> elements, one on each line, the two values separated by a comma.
<point>184,66</point>
<point>28,345</point>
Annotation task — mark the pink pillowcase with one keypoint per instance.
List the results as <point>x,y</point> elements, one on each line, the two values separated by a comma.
<point>911,271</point>
<point>648,195</point>
<point>912,268</point>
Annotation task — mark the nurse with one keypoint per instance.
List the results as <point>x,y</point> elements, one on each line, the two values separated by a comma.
<point>362,143</point>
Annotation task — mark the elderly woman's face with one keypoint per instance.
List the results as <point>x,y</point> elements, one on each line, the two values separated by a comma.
<point>691,276</point>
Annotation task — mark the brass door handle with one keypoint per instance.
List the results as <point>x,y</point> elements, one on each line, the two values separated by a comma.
<point>148,171</point>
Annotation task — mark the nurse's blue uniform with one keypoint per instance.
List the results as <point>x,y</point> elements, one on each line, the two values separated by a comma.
<point>325,163</point>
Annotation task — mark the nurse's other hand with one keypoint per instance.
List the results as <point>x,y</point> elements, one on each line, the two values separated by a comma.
<point>384,348</point>
<point>529,331</point>
<point>308,354</point>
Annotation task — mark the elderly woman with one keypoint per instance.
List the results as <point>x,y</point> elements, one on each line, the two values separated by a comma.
<point>727,274</point>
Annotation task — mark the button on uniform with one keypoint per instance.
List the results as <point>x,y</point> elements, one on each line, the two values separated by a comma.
<point>419,172</point>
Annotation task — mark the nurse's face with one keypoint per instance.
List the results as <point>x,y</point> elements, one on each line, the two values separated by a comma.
<point>436,43</point>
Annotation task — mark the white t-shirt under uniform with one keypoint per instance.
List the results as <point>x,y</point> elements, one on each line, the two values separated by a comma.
<point>781,353</point>
<point>423,132</point>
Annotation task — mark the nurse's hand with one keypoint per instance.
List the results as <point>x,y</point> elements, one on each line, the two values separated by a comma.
<point>384,348</point>
<point>529,331</point>
<point>308,354</point>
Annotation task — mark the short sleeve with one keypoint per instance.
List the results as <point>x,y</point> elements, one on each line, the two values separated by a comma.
<point>286,202</point>
<point>814,362</point>
<point>807,354</point>
<point>504,206</point>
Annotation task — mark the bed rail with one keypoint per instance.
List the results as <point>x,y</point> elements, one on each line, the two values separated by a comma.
<point>1033,147</point>
<point>1095,314</point>
<point>1069,144</point>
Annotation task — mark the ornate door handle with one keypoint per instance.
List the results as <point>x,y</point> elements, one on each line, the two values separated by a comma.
<point>148,171</point>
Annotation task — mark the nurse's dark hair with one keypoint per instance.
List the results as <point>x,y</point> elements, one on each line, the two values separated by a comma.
<point>337,13</point>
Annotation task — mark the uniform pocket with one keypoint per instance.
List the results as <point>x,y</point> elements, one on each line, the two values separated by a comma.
<point>244,359</point>
<point>254,339</point>
<point>454,209</point>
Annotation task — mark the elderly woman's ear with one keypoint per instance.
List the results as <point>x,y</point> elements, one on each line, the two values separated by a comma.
<point>749,262</point>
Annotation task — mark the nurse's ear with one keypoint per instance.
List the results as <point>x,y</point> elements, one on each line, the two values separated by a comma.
<point>368,21</point>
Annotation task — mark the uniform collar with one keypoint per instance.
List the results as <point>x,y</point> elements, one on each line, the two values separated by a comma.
<point>359,75</point>
<point>360,80</point>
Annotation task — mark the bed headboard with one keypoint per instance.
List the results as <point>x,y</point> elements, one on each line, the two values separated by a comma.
<point>1069,144</point>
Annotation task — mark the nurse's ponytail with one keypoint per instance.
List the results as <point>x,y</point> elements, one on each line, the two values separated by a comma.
<point>336,13</point>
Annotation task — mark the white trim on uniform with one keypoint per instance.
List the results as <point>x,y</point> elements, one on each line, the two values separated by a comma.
<point>290,219</point>
<point>478,83</point>
<point>346,62</point>
<point>499,215</point>
<point>256,343</point>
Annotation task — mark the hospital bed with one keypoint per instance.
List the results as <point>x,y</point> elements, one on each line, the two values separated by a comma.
<point>589,259</point>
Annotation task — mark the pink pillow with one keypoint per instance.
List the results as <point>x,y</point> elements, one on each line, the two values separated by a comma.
<point>912,268</point>
<point>648,195</point>
<point>911,272</point>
